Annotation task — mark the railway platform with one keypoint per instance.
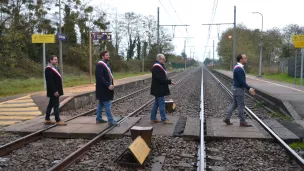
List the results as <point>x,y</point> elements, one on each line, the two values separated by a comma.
<point>16,109</point>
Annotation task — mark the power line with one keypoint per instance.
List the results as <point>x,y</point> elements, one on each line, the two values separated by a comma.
<point>215,3</point>
<point>170,16</point>
<point>178,16</point>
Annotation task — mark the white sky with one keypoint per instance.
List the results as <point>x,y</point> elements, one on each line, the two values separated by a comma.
<point>277,13</point>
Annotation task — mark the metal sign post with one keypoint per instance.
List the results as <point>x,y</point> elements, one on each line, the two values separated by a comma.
<point>298,41</point>
<point>97,36</point>
<point>43,38</point>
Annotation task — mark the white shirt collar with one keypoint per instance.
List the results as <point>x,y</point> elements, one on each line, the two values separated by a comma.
<point>240,65</point>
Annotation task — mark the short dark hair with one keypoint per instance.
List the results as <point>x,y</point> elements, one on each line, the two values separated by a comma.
<point>239,57</point>
<point>52,57</point>
<point>103,53</point>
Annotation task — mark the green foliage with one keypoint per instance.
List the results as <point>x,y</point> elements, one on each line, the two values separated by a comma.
<point>297,145</point>
<point>276,44</point>
<point>22,59</point>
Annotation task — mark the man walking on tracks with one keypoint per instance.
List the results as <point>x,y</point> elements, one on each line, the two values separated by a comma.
<point>104,88</point>
<point>159,89</point>
<point>54,90</point>
<point>239,83</point>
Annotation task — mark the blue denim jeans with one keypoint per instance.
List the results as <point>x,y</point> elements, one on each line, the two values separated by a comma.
<point>53,103</point>
<point>107,105</point>
<point>238,102</point>
<point>159,103</point>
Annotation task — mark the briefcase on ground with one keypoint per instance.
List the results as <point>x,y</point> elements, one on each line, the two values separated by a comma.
<point>170,106</point>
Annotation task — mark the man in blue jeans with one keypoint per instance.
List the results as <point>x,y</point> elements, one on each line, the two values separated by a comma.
<point>160,89</point>
<point>238,90</point>
<point>104,88</point>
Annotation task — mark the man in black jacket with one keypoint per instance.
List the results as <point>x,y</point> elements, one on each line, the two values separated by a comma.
<point>160,89</point>
<point>104,88</point>
<point>54,90</point>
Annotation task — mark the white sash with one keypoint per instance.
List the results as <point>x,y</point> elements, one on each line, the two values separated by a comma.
<point>239,66</point>
<point>160,67</point>
<point>104,64</point>
<point>54,70</point>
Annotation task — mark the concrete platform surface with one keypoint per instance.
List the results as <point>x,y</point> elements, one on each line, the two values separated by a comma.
<point>192,129</point>
<point>216,128</point>
<point>81,127</point>
<point>294,94</point>
<point>158,128</point>
<point>19,108</point>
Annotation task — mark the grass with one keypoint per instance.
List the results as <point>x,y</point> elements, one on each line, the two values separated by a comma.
<point>9,87</point>
<point>297,145</point>
<point>282,78</point>
<point>258,104</point>
<point>278,115</point>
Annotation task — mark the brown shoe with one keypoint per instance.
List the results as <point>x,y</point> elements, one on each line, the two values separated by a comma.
<point>227,122</point>
<point>155,121</point>
<point>61,123</point>
<point>245,124</point>
<point>167,122</point>
<point>49,122</point>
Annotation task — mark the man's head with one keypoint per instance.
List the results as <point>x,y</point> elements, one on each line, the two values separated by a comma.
<point>161,58</point>
<point>241,58</point>
<point>105,55</point>
<point>53,60</point>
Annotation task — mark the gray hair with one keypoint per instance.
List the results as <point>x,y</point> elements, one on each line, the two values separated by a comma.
<point>159,56</point>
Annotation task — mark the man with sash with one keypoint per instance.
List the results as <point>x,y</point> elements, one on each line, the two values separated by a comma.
<point>104,88</point>
<point>238,89</point>
<point>54,90</point>
<point>160,89</point>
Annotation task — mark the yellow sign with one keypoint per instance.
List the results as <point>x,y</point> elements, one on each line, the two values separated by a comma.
<point>297,38</point>
<point>140,149</point>
<point>43,38</point>
<point>299,44</point>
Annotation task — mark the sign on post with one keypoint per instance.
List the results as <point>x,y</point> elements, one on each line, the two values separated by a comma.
<point>61,37</point>
<point>43,38</point>
<point>298,41</point>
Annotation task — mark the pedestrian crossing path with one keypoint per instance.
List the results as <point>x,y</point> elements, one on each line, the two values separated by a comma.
<point>17,110</point>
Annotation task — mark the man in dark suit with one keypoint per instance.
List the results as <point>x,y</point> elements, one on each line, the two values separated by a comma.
<point>160,89</point>
<point>104,88</point>
<point>54,90</point>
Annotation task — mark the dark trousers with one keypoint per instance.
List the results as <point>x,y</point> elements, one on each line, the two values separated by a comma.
<point>53,103</point>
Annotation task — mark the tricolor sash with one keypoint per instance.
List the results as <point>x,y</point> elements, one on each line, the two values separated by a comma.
<point>158,65</point>
<point>109,71</point>
<point>55,70</point>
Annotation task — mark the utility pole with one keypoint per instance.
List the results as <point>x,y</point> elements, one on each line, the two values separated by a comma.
<point>60,42</point>
<point>185,52</point>
<point>158,42</point>
<point>158,45</point>
<point>116,35</point>
<point>234,38</point>
<point>234,34</point>
<point>213,56</point>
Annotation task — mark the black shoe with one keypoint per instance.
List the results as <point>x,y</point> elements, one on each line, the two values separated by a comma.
<point>227,122</point>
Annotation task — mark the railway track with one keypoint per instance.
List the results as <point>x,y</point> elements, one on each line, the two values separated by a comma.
<point>73,157</point>
<point>254,116</point>
<point>19,143</point>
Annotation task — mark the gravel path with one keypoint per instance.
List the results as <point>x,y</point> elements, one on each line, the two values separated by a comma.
<point>240,154</point>
<point>40,155</point>
<point>245,154</point>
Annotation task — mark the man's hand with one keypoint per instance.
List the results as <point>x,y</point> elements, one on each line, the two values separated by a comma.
<point>111,87</point>
<point>56,94</point>
<point>252,91</point>
<point>173,83</point>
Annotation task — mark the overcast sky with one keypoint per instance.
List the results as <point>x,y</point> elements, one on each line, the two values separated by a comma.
<point>198,12</point>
